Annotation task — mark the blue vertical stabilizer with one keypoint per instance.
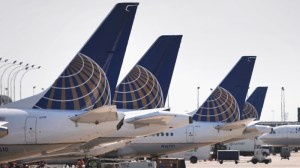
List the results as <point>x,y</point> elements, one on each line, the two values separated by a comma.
<point>147,84</point>
<point>254,104</point>
<point>91,76</point>
<point>228,98</point>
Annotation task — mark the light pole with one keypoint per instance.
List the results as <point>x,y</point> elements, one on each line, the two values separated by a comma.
<point>169,101</point>
<point>14,79</point>
<point>4,62</point>
<point>1,68</point>
<point>9,94</point>
<point>282,104</point>
<point>32,67</point>
<point>6,89</point>
<point>3,72</point>
<point>33,89</point>
<point>198,97</point>
<point>12,64</point>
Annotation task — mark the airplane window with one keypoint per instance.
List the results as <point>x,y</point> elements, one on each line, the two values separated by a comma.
<point>157,134</point>
<point>167,134</point>
<point>162,134</point>
<point>171,133</point>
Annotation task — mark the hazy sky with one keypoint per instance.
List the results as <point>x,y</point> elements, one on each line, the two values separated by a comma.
<point>216,33</point>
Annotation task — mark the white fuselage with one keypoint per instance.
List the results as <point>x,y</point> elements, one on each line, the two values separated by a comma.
<point>34,132</point>
<point>193,135</point>
<point>49,127</point>
<point>287,135</point>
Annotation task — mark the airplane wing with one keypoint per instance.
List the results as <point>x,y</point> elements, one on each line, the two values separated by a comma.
<point>98,115</point>
<point>155,118</point>
<point>3,129</point>
<point>235,125</point>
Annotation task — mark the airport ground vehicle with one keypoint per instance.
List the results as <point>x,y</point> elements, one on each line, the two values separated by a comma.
<point>259,157</point>
<point>193,155</point>
<point>247,147</point>
<point>285,153</point>
<point>228,155</point>
<point>215,149</point>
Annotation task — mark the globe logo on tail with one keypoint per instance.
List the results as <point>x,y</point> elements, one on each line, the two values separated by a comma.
<point>249,111</point>
<point>82,86</point>
<point>139,90</point>
<point>221,106</point>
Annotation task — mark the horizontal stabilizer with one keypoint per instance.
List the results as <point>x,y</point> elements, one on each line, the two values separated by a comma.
<point>3,130</point>
<point>260,129</point>
<point>234,125</point>
<point>155,118</point>
<point>98,115</point>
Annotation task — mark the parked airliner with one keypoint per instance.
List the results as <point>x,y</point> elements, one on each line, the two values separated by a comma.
<point>153,72</point>
<point>284,135</point>
<point>215,121</point>
<point>252,109</point>
<point>46,126</point>
<point>77,107</point>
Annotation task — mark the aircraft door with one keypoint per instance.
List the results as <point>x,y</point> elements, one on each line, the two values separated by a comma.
<point>190,134</point>
<point>30,130</point>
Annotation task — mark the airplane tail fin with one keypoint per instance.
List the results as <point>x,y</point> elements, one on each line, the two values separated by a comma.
<point>91,76</point>
<point>254,104</point>
<point>228,98</point>
<point>146,86</point>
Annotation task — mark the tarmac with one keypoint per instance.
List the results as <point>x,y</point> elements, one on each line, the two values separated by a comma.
<point>294,161</point>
